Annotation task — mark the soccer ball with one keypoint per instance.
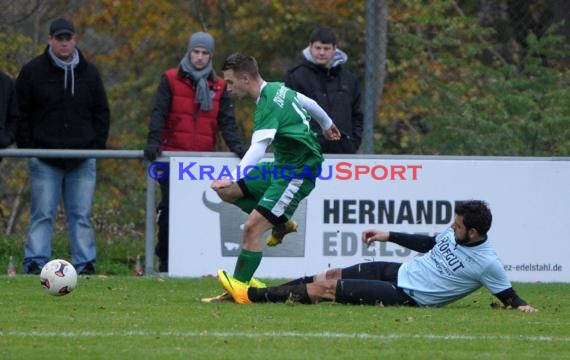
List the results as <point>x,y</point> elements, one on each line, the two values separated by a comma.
<point>58,277</point>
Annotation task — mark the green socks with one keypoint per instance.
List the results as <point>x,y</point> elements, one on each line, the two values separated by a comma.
<point>247,263</point>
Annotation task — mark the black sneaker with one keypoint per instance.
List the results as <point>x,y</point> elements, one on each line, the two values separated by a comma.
<point>34,269</point>
<point>89,269</point>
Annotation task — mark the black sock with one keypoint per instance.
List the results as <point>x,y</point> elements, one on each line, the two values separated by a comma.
<point>302,280</point>
<point>283,293</point>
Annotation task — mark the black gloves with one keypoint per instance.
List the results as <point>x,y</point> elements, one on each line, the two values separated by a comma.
<point>151,151</point>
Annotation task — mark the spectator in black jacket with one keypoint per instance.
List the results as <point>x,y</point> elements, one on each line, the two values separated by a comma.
<point>322,77</point>
<point>8,111</point>
<point>63,105</point>
<point>190,108</point>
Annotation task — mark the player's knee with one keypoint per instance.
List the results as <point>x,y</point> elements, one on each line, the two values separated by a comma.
<point>224,195</point>
<point>230,194</point>
<point>330,288</point>
<point>250,226</point>
<point>251,235</point>
<point>334,274</point>
<point>322,290</point>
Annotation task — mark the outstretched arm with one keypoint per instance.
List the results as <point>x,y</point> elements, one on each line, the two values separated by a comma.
<point>316,111</point>
<point>511,300</point>
<point>330,131</point>
<point>419,243</point>
<point>260,142</point>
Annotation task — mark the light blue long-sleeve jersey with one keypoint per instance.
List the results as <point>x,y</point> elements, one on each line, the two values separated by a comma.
<point>450,271</point>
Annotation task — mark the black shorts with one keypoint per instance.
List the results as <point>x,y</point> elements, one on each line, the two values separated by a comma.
<point>373,283</point>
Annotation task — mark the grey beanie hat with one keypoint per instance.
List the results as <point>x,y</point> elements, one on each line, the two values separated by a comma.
<point>201,39</point>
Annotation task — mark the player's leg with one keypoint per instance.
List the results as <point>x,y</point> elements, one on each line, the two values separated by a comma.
<point>244,294</point>
<point>250,255</point>
<point>251,189</point>
<point>245,194</point>
<point>280,201</point>
<point>279,231</point>
<point>370,292</point>
<point>230,194</point>
<point>332,274</point>
<point>359,292</point>
<point>303,293</point>
<point>247,202</point>
<point>376,270</point>
<point>275,206</point>
<point>277,200</point>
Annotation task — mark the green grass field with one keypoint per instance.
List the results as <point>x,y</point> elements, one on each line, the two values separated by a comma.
<point>128,317</point>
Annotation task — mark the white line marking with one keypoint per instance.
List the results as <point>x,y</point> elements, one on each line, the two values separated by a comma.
<point>325,335</point>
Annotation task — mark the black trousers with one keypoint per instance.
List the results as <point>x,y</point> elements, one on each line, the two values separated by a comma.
<point>161,249</point>
<point>372,283</point>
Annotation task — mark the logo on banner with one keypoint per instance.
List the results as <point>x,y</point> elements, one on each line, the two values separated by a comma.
<point>193,171</point>
<point>231,220</point>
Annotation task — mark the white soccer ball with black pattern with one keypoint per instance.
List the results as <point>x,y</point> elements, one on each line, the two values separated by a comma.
<point>58,277</point>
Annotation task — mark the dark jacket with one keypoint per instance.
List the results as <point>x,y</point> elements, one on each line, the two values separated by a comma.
<point>8,111</point>
<point>337,91</point>
<point>162,113</point>
<point>52,118</point>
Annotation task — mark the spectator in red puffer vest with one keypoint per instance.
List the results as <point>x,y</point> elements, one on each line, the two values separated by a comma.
<point>191,106</point>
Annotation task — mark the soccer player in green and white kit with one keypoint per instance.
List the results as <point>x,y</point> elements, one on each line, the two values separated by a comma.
<point>270,192</point>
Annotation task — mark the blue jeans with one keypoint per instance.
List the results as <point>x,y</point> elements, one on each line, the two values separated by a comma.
<point>77,187</point>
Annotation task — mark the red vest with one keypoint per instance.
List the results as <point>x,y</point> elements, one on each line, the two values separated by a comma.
<point>188,128</point>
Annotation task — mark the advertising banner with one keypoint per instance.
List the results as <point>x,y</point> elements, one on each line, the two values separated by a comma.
<point>529,199</point>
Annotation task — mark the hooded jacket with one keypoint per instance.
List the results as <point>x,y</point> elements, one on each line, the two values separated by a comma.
<point>337,91</point>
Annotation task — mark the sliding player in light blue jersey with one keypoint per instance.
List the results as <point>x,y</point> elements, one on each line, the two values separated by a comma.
<point>271,191</point>
<point>457,262</point>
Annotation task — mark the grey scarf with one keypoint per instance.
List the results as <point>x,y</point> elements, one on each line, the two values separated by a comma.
<point>203,96</point>
<point>67,67</point>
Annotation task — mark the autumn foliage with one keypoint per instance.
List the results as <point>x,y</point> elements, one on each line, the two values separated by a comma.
<point>462,77</point>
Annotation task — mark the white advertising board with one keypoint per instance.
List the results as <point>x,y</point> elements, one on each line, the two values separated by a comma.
<point>529,198</point>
